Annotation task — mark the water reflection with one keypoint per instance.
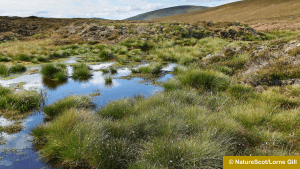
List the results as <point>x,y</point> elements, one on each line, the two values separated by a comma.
<point>51,84</point>
<point>83,79</point>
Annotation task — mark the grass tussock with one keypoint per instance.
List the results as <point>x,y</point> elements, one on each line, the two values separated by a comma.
<point>14,128</point>
<point>73,101</point>
<point>207,79</point>
<point>175,129</point>
<point>22,101</point>
<point>108,80</point>
<point>17,68</point>
<point>81,71</point>
<point>4,71</point>
<point>153,68</point>
<point>131,131</point>
<point>57,72</point>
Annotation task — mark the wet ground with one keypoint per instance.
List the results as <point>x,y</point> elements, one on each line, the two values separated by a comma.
<point>18,151</point>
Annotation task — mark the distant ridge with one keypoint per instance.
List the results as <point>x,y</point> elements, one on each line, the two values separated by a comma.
<point>242,11</point>
<point>167,12</point>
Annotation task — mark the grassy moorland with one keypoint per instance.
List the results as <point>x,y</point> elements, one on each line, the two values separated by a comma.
<point>236,92</point>
<point>175,10</point>
<point>263,14</point>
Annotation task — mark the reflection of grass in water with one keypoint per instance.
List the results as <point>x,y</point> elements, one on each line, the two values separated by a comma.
<point>83,79</point>
<point>50,84</point>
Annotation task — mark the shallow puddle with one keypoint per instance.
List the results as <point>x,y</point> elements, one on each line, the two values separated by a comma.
<point>18,151</point>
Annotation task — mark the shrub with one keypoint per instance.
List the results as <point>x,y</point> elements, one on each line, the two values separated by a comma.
<point>17,68</point>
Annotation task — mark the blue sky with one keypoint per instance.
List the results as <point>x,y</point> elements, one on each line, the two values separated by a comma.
<point>108,9</point>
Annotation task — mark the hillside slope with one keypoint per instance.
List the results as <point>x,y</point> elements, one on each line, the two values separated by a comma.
<point>253,11</point>
<point>167,12</point>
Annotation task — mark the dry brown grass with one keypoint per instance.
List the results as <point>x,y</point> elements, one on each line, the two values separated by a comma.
<point>28,46</point>
<point>251,11</point>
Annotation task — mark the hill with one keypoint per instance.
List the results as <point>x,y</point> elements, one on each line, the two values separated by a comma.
<point>251,11</point>
<point>167,12</point>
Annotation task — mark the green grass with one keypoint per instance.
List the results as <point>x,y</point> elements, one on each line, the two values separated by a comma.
<point>172,84</point>
<point>4,59</point>
<point>4,90</point>
<point>108,80</point>
<point>56,72</point>
<point>23,57</point>
<point>207,79</point>
<point>178,128</point>
<point>153,68</point>
<point>104,71</point>
<point>43,58</point>
<point>17,68</point>
<point>14,128</point>
<point>73,101</point>
<point>22,101</point>
<point>81,71</point>
<point>295,51</point>
<point>280,70</point>
<point>113,70</point>
<point>241,91</point>
<point>130,131</point>
<point>4,71</point>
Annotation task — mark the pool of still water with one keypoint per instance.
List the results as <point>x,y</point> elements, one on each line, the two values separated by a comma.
<point>18,151</point>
